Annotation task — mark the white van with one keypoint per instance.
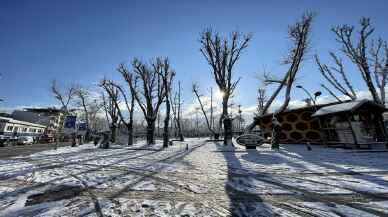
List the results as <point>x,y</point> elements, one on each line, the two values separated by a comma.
<point>25,140</point>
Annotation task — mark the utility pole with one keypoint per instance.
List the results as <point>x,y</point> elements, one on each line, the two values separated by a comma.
<point>197,120</point>
<point>240,117</point>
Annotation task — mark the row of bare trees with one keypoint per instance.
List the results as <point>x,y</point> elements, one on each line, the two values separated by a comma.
<point>150,86</point>
<point>147,86</point>
<point>222,54</point>
<point>81,100</point>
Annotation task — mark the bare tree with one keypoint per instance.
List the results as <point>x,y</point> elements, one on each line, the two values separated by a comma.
<point>150,94</point>
<point>261,99</point>
<point>132,84</point>
<point>177,111</point>
<point>113,91</point>
<point>111,110</point>
<point>83,96</point>
<point>299,35</point>
<point>167,77</point>
<point>370,58</point>
<point>329,73</point>
<point>198,96</point>
<point>64,97</point>
<point>94,109</point>
<point>222,54</point>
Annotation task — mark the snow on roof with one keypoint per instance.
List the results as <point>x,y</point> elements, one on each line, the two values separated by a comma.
<point>343,107</point>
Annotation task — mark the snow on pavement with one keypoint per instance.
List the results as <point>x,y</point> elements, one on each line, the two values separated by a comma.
<point>209,179</point>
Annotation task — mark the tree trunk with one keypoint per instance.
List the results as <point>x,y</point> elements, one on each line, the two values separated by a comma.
<point>227,126</point>
<point>228,131</point>
<point>150,131</point>
<point>181,138</point>
<point>166,133</point>
<point>130,135</point>
<point>113,133</point>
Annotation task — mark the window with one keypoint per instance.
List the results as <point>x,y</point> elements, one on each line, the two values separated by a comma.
<point>9,128</point>
<point>24,129</point>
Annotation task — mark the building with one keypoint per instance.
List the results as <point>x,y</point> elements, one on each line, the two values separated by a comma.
<point>348,123</point>
<point>297,125</point>
<point>52,118</point>
<point>10,127</point>
<point>357,122</point>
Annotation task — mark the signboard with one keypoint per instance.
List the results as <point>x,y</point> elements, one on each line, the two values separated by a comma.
<point>250,140</point>
<point>82,126</point>
<point>70,124</point>
<point>70,121</point>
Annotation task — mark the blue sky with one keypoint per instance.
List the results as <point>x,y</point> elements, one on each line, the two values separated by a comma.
<point>80,41</point>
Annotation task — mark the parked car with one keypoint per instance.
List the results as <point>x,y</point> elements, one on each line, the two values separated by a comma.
<point>3,139</point>
<point>25,140</point>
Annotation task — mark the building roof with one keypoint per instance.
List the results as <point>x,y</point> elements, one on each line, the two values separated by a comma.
<point>31,117</point>
<point>41,109</point>
<point>351,106</point>
<point>310,108</point>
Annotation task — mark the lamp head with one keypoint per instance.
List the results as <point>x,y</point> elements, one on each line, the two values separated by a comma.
<point>318,93</point>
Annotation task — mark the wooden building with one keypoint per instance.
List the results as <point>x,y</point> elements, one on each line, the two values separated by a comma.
<point>358,123</point>
<point>351,123</point>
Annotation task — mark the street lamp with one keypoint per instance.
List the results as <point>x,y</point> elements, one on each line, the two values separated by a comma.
<point>316,94</point>
<point>197,120</point>
<point>240,118</point>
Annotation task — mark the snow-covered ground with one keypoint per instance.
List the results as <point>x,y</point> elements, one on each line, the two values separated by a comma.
<point>207,179</point>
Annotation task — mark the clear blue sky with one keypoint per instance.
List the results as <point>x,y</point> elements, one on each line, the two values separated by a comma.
<point>81,41</point>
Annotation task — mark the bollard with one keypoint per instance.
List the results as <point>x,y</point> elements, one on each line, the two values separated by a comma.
<point>187,146</point>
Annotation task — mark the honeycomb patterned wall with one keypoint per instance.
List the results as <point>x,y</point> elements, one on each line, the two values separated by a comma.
<point>297,127</point>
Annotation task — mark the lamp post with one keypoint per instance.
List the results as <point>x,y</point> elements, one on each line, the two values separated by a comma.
<point>197,121</point>
<point>240,118</point>
<point>316,95</point>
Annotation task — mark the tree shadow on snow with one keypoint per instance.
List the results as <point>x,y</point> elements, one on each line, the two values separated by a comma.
<point>241,201</point>
<point>300,160</point>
